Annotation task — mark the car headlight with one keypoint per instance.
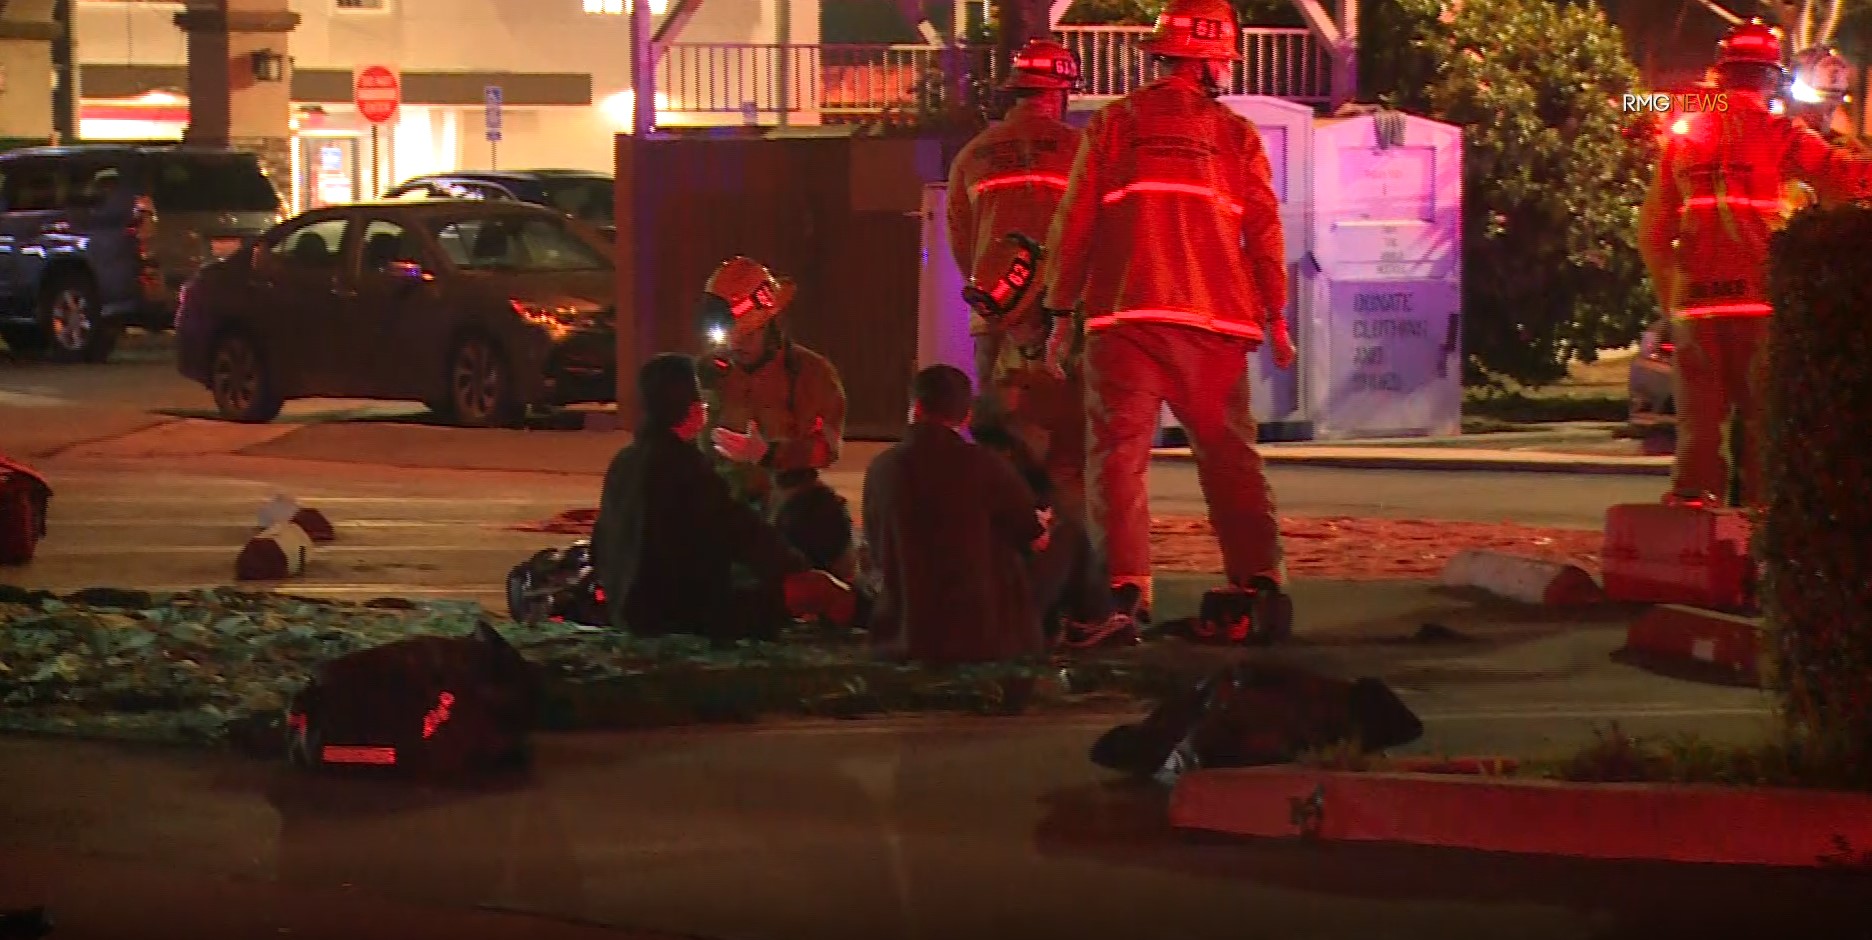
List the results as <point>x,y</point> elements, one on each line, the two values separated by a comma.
<point>554,316</point>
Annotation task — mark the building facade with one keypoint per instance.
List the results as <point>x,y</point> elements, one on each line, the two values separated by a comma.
<point>562,68</point>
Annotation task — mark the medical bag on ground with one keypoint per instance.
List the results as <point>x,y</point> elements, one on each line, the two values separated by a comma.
<point>24,498</point>
<point>1678,554</point>
<point>426,705</point>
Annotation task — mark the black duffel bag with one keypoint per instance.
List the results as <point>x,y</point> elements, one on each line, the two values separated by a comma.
<point>557,583</point>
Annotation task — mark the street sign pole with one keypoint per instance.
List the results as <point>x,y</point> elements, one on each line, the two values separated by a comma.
<point>492,96</point>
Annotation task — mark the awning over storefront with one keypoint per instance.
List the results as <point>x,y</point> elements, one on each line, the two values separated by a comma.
<point>333,86</point>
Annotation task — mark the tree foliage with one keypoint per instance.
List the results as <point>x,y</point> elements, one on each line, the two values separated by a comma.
<point>1554,171</point>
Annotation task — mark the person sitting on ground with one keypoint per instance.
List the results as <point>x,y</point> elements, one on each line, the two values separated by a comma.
<point>670,536</point>
<point>949,525</point>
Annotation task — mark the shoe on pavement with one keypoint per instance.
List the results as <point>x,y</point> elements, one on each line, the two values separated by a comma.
<point>1273,612</point>
<point>1128,599</point>
<point>1117,630</point>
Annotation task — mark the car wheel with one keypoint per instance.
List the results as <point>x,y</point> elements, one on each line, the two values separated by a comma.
<point>480,388</point>
<point>68,316</point>
<point>243,388</point>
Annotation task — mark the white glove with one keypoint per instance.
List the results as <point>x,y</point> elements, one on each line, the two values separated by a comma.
<point>740,448</point>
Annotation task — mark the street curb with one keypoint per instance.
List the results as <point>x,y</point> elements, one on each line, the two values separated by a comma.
<point>1391,460</point>
<point>1674,823</point>
<point>1694,636</point>
<point>1529,580</point>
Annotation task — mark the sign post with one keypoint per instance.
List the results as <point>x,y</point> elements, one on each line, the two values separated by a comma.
<point>377,90</point>
<point>492,95</point>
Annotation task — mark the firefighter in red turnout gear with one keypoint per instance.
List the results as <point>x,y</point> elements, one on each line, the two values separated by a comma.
<point>1704,232</point>
<point>1169,238</point>
<point>1010,179</point>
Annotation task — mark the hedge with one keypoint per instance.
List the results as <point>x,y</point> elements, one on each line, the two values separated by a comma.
<point>1816,544</point>
<point>214,666</point>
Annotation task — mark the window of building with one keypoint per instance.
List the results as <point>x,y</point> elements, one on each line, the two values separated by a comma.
<point>621,7</point>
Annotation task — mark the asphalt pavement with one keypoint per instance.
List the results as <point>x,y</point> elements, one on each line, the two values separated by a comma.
<point>964,828</point>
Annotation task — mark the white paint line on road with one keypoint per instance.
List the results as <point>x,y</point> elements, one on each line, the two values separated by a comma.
<point>246,521</point>
<point>465,591</point>
<point>319,551</point>
<point>316,502</point>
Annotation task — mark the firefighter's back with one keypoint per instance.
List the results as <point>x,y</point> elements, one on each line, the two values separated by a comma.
<point>1015,173</point>
<point>1176,177</point>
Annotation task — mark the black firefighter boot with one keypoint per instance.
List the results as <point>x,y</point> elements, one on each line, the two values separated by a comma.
<point>1273,611</point>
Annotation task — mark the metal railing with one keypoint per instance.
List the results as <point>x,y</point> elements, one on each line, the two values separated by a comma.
<point>760,80</point>
<point>1279,62</point>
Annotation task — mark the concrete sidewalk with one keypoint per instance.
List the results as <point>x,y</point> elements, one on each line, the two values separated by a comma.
<point>1435,457</point>
<point>42,430</point>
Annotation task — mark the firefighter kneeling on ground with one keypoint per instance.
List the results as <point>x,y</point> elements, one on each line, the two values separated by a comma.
<point>778,410</point>
<point>1009,180</point>
<point>1704,233</point>
<point>1818,97</point>
<point>1170,237</point>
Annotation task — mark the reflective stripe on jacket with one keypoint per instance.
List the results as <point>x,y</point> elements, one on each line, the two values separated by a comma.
<point>1008,179</point>
<point>1719,195</point>
<point>1170,217</point>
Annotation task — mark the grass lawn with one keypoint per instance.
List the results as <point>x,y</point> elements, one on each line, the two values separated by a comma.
<point>1594,391</point>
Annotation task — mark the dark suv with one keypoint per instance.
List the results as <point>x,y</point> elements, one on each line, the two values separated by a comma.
<point>586,196</point>
<point>98,237</point>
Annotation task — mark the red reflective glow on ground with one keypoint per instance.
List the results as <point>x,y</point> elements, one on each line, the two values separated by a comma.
<point>1340,548</point>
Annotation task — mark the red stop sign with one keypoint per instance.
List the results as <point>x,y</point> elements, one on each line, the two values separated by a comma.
<point>378,92</point>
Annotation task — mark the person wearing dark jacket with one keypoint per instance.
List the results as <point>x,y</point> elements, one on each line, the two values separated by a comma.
<point>950,525</point>
<point>675,551</point>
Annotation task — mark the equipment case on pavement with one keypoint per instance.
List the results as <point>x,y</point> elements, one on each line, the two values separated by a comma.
<point>1678,554</point>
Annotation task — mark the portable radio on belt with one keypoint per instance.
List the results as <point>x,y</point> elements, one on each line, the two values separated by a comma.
<point>1005,294</point>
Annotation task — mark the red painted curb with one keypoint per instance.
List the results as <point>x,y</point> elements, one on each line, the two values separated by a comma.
<point>1724,825</point>
<point>1523,578</point>
<point>1692,634</point>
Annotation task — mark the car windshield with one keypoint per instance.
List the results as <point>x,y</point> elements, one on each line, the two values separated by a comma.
<point>515,243</point>
<point>211,182</point>
<point>589,200</point>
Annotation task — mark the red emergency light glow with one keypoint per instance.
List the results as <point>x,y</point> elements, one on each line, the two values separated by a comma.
<point>438,714</point>
<point>598,594</point>
<point>377,756</point>
<point>295,722</point>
